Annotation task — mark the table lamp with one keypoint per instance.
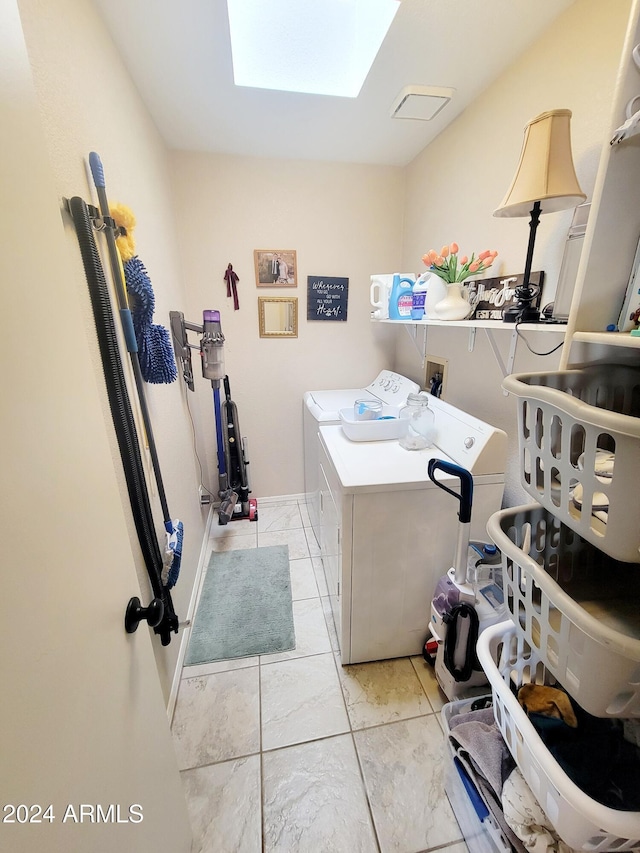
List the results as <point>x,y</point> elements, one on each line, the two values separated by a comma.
<point>545,177</point>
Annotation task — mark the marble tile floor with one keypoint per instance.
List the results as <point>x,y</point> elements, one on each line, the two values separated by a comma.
<point>294,752</point>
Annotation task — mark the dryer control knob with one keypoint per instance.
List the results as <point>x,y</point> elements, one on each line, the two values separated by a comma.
<point>469,442</point>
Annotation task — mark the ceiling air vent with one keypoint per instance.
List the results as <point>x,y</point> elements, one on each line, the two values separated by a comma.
<point>421,102</point>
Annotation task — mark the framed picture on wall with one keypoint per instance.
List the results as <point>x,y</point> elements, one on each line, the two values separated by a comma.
<point>275,268</point>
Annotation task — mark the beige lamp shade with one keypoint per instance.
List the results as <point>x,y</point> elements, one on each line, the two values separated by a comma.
<point>545,172</point>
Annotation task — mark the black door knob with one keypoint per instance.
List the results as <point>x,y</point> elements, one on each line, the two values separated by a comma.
<point>135,614</point>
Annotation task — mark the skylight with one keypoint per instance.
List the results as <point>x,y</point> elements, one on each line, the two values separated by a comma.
<point>319,47</point>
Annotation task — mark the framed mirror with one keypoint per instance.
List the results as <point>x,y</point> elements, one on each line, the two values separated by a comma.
<point>278,316</point>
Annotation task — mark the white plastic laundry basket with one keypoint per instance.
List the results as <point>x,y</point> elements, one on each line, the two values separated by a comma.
<point>577,607</point>
<point>580,821</point>
<point>579,441</point>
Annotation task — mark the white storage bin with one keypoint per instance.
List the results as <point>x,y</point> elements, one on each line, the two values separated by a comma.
<point>481,833</point>
<point>387,426</point>
<point>577,607</point>
<point>579,439</point>
<point>580,821</point>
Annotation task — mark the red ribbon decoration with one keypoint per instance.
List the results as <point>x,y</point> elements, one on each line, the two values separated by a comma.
<point>231,278</point>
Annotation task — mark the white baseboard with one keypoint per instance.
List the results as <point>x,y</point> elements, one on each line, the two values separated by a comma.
<point>191,612</point>
<point>277,499</point>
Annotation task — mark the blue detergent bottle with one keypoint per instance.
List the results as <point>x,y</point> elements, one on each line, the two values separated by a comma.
<point>401,298</point>
<point>419,296</point>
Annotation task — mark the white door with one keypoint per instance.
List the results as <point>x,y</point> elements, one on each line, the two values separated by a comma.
<point>86,759</point>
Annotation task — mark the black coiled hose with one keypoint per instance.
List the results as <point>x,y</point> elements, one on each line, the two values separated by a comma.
<point>122,414</point>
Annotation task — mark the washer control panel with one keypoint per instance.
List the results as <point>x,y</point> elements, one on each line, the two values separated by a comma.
<point>392,388</point>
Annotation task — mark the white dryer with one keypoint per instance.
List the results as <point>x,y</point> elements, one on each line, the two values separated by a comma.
<point>320,408</point>
<point>388,533</point>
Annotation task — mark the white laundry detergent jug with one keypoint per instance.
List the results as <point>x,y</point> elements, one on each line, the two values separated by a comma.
<point>379,293</point>
<point>419,295</point>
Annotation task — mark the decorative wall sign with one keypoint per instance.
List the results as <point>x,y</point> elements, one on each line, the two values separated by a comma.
<point>492,295</point>
<point>275,267</point>
<point>327,297</point>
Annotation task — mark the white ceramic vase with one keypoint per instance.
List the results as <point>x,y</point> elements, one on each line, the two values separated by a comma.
<point>454,306</point>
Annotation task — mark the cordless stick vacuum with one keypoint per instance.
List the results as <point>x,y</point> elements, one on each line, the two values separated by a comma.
<point>467,599</point>
<point>235,453</point>
<point>233,483</point>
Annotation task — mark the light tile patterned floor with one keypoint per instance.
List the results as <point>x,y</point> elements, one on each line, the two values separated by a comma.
<point>294,752</point>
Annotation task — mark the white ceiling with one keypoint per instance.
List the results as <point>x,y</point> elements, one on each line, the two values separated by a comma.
<point>179,56</point>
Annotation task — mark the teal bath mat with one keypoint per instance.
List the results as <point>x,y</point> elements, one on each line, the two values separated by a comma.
<point>245,607</point>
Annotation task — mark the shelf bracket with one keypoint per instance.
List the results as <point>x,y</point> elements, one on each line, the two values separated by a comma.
<point>508,368</point>
<point>512,353</point>
<point>472,339</point>
<point>412,331</point>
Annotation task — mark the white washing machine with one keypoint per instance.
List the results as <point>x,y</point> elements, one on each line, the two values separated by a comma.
<point>388,533</point>
<point>320,408</point>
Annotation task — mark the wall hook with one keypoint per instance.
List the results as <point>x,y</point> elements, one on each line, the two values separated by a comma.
<point>135,614</point>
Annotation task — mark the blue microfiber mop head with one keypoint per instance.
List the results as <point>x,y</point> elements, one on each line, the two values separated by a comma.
<point>155,352</point>
<point>173,553</point>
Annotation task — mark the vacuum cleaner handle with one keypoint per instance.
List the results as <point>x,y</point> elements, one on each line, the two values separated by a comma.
<point>465,496</point>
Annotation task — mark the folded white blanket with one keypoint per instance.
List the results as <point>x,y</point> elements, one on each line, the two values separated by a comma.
<point>526,819</point>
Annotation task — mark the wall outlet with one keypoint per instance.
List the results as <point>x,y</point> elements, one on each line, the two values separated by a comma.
<point>205,497</point>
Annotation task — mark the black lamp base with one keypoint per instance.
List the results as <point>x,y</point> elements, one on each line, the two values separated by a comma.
<point>530,314</point>
<point>521,313</point>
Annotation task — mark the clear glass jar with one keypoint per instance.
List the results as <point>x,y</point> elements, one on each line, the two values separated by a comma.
<point>421,432</point>
<point>367,410</point>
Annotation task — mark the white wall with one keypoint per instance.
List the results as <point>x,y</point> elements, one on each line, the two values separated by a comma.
<point>456,183</point>
<point>342,220</point>
<point>82,717</point>
<point>88,102</point>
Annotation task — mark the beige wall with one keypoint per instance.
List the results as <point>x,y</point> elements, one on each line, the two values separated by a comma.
<point>456,183</point>
<point>82,717</point>
<point>342,220</point>
<point>89,103</point>
<point>196,213</point>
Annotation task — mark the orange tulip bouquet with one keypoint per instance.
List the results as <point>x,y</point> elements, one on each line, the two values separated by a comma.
<point>452,269</point>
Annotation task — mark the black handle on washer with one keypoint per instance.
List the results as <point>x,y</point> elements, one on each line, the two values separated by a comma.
<point>466,485</point>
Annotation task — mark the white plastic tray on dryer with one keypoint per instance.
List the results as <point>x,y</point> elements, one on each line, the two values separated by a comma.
<point>388,426</point>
